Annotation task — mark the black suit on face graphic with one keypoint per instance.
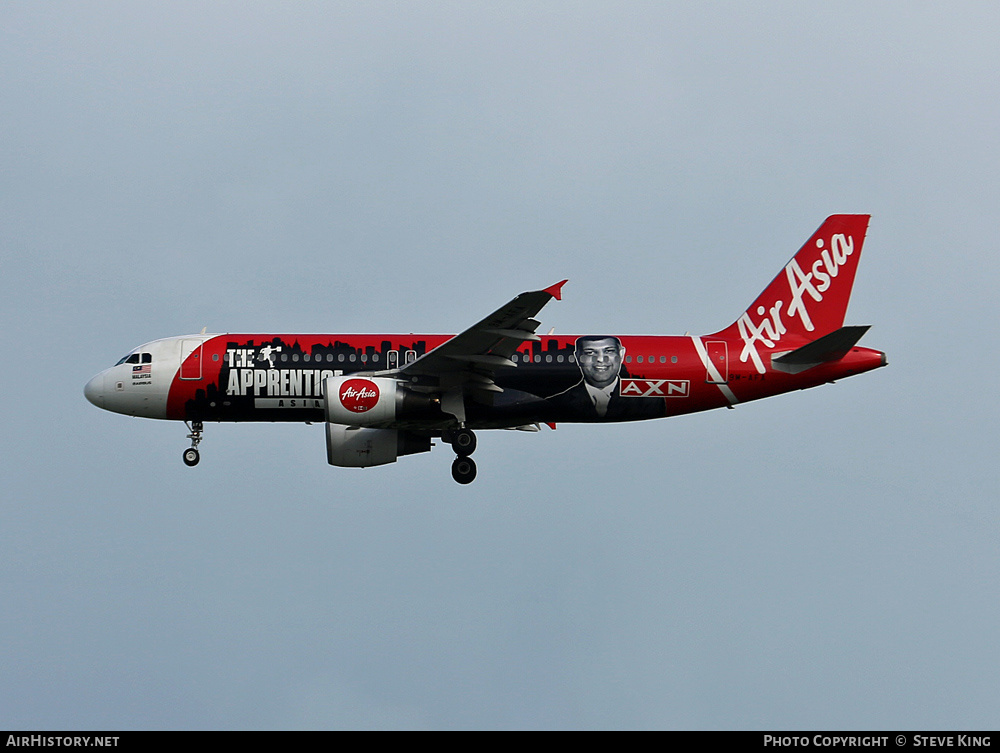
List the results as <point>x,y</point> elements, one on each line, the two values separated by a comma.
<point>575,404</point>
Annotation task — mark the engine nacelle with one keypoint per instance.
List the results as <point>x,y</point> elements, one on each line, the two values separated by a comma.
<point>355,447</point>
<point>375,401</point>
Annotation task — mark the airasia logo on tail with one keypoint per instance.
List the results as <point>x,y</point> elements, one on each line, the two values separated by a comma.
<point>358,395</point>
<point>815,283</point>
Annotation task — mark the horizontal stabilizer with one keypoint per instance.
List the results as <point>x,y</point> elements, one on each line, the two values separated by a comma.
<point>831,347</point>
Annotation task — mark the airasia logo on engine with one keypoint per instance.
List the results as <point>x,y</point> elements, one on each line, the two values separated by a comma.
<point>358,395</point>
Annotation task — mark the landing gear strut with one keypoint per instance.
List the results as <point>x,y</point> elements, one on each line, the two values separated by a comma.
<point>191,454</point>
<point>463,442</point>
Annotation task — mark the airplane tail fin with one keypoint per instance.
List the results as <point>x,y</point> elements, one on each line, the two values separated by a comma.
<point>808,299</point>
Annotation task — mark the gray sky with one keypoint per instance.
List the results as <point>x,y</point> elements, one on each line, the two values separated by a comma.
<point>826,559</point>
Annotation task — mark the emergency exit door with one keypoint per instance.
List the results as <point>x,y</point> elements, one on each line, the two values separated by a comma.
<point>718,361</point>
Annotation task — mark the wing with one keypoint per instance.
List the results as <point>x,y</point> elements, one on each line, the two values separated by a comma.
<point>467,363</point>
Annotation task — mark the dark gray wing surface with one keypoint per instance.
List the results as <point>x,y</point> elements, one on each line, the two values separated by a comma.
<point>467,363</point>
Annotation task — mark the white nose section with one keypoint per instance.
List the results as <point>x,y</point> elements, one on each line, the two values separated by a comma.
<point>94,390</point>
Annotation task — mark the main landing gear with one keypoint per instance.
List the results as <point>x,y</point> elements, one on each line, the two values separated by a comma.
<point>191,454</point>
<point>463,442</point>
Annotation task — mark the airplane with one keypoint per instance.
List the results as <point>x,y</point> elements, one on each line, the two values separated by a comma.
<point>382,397</point>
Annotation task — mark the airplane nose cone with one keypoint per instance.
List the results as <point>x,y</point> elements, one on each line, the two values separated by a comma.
<point>94,390</point>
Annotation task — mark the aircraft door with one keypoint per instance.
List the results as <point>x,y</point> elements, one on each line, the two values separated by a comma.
<point>392,359</point>
<point>191,359</point>
<point>718,362</point>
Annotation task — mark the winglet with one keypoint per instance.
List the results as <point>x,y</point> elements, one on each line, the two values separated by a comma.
<point>556,290</point>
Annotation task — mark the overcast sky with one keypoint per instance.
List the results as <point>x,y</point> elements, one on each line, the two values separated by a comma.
<point>826,559</point>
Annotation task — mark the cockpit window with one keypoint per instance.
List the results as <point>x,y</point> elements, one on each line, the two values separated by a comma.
<point>134,358</point>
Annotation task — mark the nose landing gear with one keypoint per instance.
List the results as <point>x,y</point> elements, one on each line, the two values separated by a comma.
<point>191,454</point>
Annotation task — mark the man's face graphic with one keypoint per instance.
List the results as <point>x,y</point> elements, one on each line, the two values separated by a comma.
<point>600,361</point>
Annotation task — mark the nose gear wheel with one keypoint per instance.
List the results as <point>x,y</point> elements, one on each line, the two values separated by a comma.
<point>191,454</point>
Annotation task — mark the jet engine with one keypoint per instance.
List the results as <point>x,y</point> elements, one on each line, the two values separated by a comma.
<point>375,401</point>
<point>358,447</point>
